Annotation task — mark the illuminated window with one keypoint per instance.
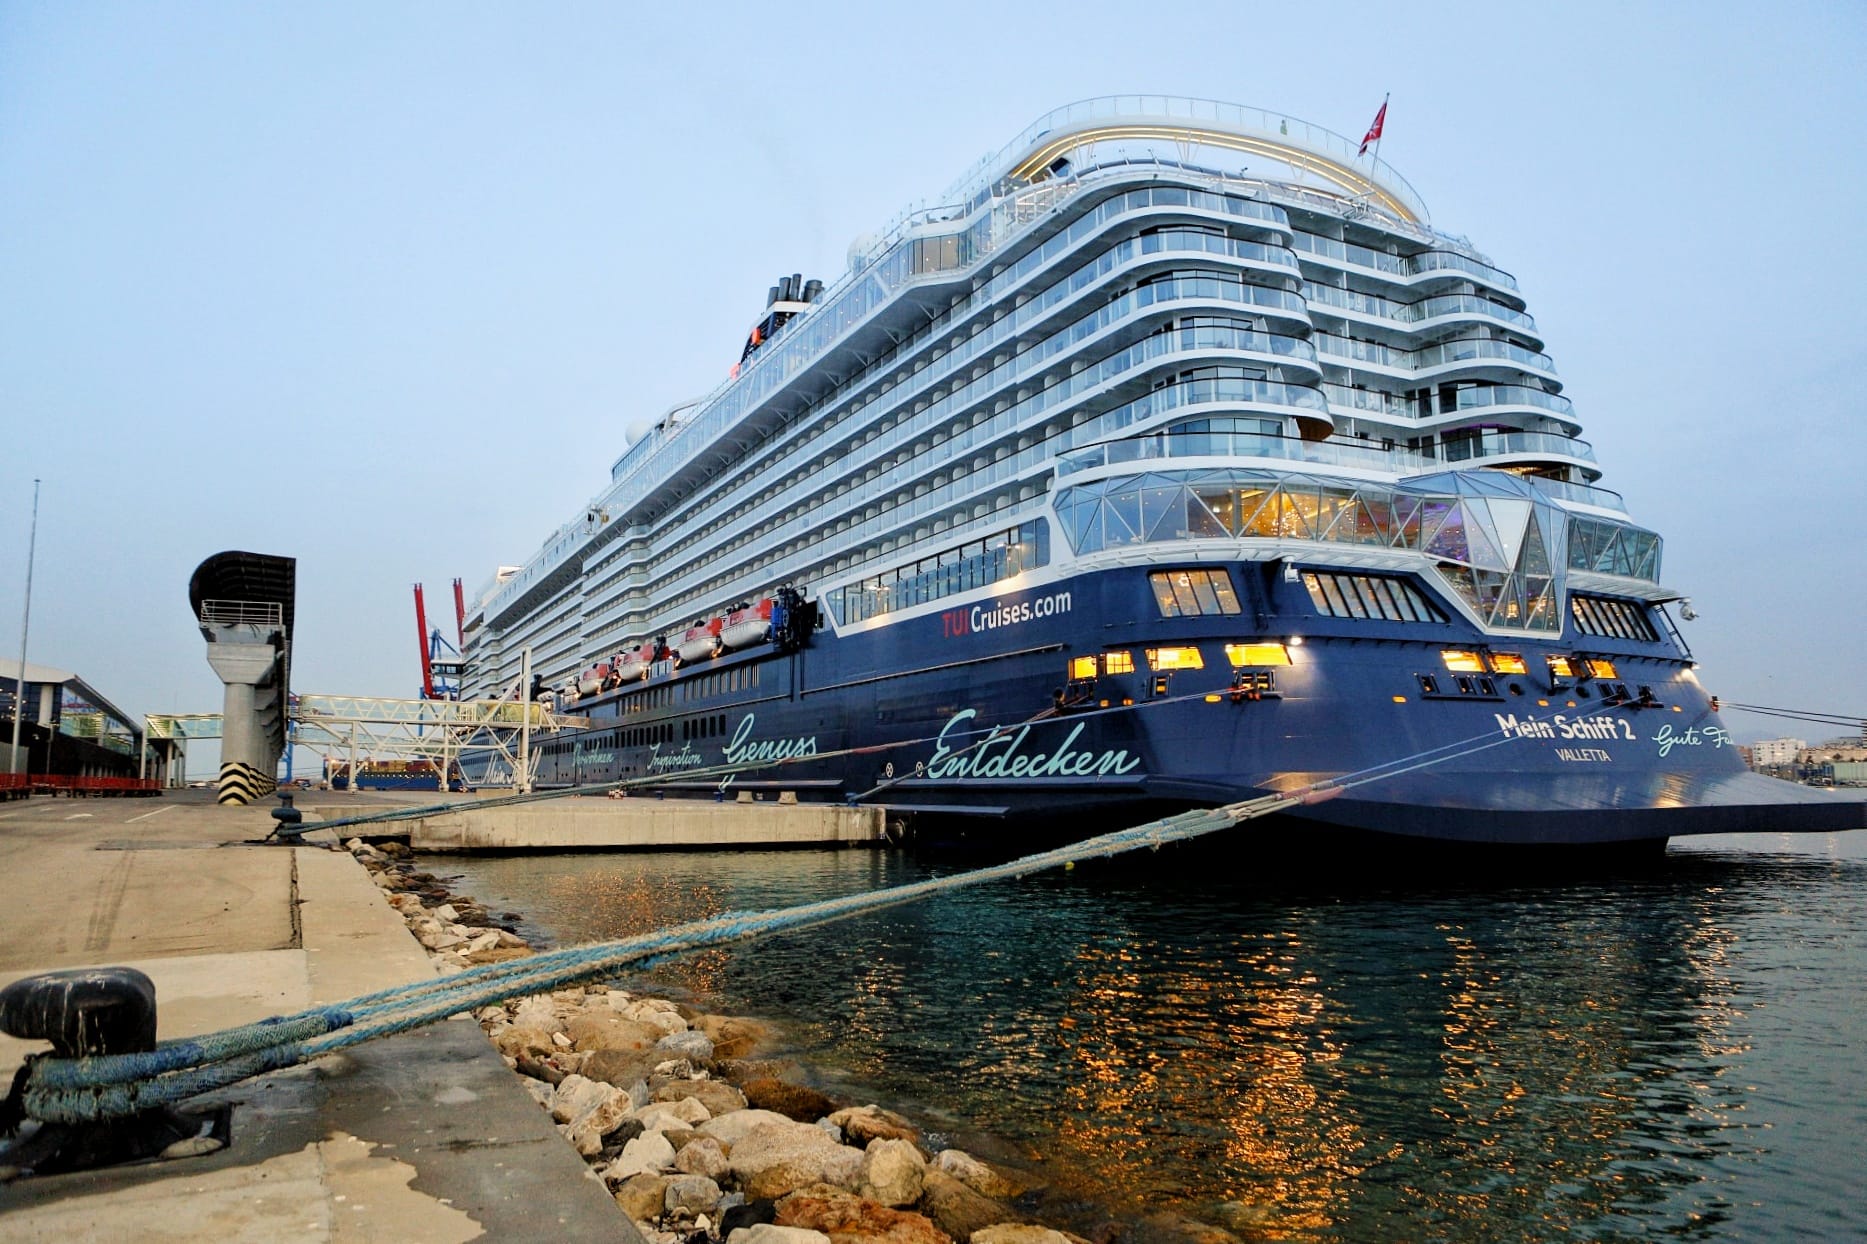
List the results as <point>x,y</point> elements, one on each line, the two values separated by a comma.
<point>1257,654</point>
<point>1118,663</point>
<point>1337,595</point>
<point>1185,658</point>
<point>1601,669</point>
<point>1508,663</point>
<point>1082,667</point>
<point>1560,667</point>
<point>1193,593</point>
<point>1460,659</point>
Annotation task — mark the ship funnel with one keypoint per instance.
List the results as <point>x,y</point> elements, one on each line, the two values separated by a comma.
<point>813,289</point>
<point>772,296</point>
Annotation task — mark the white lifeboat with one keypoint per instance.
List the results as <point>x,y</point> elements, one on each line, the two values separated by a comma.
<point>748,626</point>
<point>700,643</point>
<point>591,680</point>
<point>633,663</point>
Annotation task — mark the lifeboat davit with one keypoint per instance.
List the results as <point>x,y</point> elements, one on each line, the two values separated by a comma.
<point>634,662</point>
<point>701,642</point>
<point>748,626</point>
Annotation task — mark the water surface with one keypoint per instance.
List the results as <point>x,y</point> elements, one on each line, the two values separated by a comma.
<point>1674,1049</point>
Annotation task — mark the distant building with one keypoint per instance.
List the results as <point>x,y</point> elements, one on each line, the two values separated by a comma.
<point>67,726</point>
<point>1773,752</point>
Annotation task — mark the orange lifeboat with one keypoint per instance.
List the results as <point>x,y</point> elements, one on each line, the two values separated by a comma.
<point>748,626</point>
<point>701,642</point>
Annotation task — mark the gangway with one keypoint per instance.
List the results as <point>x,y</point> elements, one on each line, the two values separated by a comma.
<point>438,731</point>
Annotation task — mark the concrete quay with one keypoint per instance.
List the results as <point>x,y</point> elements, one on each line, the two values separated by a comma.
<point>583,824</point>
<point>421,1137</point>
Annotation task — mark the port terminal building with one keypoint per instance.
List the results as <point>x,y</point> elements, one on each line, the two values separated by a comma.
<point>68,728</point>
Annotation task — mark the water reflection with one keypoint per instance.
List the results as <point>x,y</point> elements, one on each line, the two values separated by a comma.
<point>1604,1056</point>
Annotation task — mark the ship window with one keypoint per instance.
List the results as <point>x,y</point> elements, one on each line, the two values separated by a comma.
<point>961,568</point>
<point>1621,619</point>
<point>1118,662</point>
<point>1082,667</point>
<point>1508,663</point>
<point>1462,659</point>
<point>1601,669</point>
<point>1367,596</point>
<point>1193,593</point>
<point>1181,658</point>
<point>1256,654</point>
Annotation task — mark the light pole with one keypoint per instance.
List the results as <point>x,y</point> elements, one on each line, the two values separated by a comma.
<point>19,684</point>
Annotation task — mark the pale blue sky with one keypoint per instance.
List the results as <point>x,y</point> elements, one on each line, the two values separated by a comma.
<point>379,286</point>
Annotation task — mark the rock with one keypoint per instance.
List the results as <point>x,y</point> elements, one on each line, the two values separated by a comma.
<point>730,1129</point>
<point>407,904</point>
<point>690,1194</point>
<point>957,1209</point>
<point>794,1101</point>
<point>522,1041</point>
<point>743,1071</point>
<point>1013,1233</point>
<point>438,939</point>
<point>773,1159</point>
<point>622,1068</point>
<point>976,1175</point>
<point>848,1219</point>
<point>656,1014</point>
<point>577,1095</point>
<point>702,1157</point>
<point>660,1116</point>
<point>648,1152</point>
<point>537,1013</point>
<point>681,1137</point>
<point>686,1044</point>
<point>511,940</point>
<point>718,1098</point>
<point>1167,1227</point>
<point>538,1068</point>
<point>1239,1216</point>
<point>732,1037</point>
<point>771,1233</point>
<point>891,1173</point>
<point>598,1030</point>
<point>540,1091</point>
<point>498,954</point>
<point>861,1124</point>
<point>744,1215</point>
<point>674,1068</point>
<point>640,1195</point>
<point>446,912</point>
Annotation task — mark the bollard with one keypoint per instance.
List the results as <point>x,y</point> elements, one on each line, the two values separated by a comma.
<point>290,829</point>
<point>85,1012</point>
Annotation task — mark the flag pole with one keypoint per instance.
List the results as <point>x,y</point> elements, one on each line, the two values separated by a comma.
<point>1383,134</point>
<point>19,683</point>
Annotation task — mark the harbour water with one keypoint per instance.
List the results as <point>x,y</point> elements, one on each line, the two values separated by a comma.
<point>1675,1048</point>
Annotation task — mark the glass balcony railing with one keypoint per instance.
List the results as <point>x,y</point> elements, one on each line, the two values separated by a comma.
<point>1482,351</point>
<point>1223,444</point>
<point>1451,261</point>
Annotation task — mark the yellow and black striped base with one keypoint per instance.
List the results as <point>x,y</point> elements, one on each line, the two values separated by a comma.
<point>242,783</point>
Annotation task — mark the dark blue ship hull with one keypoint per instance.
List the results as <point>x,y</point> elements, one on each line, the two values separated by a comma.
<point>989,710</point>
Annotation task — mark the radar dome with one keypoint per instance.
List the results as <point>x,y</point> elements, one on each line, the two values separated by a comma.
<point>637,430</point>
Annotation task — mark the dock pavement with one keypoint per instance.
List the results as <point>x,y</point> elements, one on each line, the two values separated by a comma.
<point>420,1137</point>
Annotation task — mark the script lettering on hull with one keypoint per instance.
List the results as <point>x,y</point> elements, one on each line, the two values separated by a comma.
<point>1004,754</point>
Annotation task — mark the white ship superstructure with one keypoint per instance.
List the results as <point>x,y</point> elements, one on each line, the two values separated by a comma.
<point>1146,319</point>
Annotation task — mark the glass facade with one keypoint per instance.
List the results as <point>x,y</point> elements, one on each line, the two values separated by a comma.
<point>962,568</point>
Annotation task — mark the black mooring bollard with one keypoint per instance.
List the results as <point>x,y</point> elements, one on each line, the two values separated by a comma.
<point>290,829</point>
<point>84,1012</point>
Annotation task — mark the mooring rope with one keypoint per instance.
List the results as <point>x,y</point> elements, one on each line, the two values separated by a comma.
<point>110,1086</point>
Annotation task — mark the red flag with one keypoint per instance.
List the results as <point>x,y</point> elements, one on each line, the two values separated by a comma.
<point>1374,131</point>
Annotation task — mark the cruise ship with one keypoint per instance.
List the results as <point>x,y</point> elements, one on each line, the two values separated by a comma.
<point>1174,458</point>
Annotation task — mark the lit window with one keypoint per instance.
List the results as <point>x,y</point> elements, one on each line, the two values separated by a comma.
<point>1257,654</point>
<point>1460,659</point>
<point>1082,667</point>
<point>1560,667</point>
<point>1193,593</point>
<point>1184,658</point>
<point>1508,663</point>
<point>1601,669</point>
<point>1118,663</point>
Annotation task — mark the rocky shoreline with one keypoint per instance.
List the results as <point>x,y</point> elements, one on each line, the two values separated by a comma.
<point>698,1136</point>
